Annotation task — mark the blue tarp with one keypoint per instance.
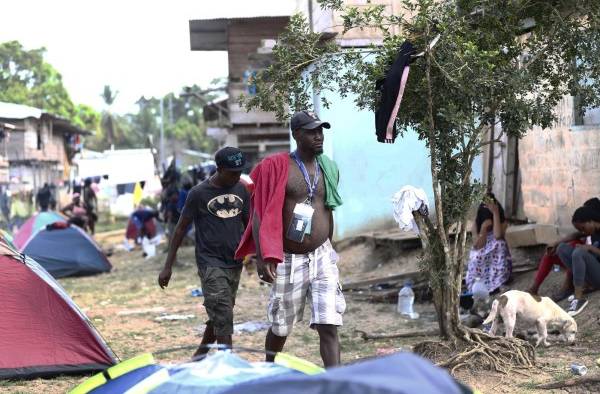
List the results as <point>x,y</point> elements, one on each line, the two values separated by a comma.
<point>67,252</point>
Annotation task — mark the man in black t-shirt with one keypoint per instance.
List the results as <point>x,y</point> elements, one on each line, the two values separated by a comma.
<point>219,208</point>
<point>43,198</point>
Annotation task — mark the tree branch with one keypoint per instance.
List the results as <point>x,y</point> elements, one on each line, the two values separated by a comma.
<point>437,192</point>
<point>411,334</point>
<point>569,383</point>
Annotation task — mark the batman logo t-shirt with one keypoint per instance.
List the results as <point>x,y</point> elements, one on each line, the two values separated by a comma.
<point>219,215</point>
<point>225,206</point>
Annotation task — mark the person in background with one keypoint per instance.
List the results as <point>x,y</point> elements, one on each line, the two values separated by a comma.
<point>551,258</point>
<point>219,208</point>
<point>76,211</point>
<point>142,220</point>
<point>42,198</point>
<point>583,259</point>
<point>76,186</point>
<point>490,257</point>
<point>52,197</point>
<point>183,193</point>
<point>5,202</point>
<point>172,214</point>
<point>19,211</point>
<point>91,204</point>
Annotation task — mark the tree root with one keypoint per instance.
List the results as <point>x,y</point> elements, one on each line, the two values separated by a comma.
<point>477,350</point>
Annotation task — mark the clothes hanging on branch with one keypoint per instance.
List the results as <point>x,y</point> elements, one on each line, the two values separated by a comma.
<point>406,201</point>
<point>391,89</point>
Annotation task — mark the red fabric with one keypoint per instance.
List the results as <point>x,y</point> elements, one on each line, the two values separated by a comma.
<point>546,265</point>
<point>24,232</point>
<point>270,179</point>
<point>59,225</point>
<point>132,231</point>
<point>39,328</point>
<point>248,184</point>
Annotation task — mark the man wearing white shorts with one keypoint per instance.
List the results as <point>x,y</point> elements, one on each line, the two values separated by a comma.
<point>295,195</point>
<point>300,277</point>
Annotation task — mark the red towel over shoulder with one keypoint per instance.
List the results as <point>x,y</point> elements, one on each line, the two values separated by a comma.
<point>270,178</point>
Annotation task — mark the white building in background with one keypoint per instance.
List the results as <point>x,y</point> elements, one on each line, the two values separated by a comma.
<point>118,172</point>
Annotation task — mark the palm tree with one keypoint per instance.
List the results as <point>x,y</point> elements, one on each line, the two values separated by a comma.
<point>108,123</point>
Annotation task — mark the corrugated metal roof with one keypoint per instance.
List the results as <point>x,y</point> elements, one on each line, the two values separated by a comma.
<point>228,18</point>
<point>18,111</point>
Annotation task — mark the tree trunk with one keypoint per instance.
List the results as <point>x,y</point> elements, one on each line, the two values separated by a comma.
<point>446,299</point>
<point>444,273</point>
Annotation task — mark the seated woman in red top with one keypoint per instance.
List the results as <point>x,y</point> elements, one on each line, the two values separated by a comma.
<point>551,259</point>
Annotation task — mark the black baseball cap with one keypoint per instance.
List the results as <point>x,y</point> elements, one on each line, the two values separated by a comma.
<point>230,158</point>
<point>307,120</point>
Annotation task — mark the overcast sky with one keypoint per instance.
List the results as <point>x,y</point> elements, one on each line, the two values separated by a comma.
<point>138,47</point>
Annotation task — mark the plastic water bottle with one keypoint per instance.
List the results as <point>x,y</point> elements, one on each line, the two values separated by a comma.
<point>406,299</point>
<point>480,290</point>
<point>197,292</point>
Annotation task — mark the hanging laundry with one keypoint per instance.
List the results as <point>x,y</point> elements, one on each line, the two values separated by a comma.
<point>405,202</point>
<point>391,89</point>
<point>137,194</point>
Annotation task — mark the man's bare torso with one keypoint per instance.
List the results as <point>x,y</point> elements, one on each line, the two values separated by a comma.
<point>296,192</point>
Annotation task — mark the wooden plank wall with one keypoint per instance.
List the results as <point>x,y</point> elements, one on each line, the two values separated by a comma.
<point>244,38</point>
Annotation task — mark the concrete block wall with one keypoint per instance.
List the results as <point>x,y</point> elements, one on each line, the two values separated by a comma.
<point>560,169</point>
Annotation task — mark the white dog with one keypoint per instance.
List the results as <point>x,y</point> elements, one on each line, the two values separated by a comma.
<point>530,309</point>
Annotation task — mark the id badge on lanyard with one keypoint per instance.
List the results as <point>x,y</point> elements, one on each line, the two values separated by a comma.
<point>301,222</point>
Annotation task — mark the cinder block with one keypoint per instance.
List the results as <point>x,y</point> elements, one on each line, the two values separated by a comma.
<point>531,234</point>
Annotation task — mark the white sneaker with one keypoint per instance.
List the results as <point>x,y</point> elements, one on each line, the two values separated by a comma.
<point>577,305</point>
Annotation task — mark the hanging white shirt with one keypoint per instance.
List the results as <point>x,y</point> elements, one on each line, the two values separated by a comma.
<point>405,202</point>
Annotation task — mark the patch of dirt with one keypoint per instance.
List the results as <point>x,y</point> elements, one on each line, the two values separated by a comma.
<point>363,261</point>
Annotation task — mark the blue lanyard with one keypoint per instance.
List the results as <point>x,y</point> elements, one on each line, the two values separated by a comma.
<point>311,187</point>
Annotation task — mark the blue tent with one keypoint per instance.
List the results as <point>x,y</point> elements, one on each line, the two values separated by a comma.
<point>401,373</point>
<point>227,373</point>
<point>66,251</point>
<point>214,374</point>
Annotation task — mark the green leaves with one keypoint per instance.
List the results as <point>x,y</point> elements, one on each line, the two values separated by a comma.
<point>507,63</point>
<point>25,78</point>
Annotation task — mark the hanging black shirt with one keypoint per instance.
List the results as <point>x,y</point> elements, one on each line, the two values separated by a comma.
<point>389,88</point>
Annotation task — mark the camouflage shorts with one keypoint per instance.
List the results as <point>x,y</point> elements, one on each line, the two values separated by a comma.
<point>220,286</point>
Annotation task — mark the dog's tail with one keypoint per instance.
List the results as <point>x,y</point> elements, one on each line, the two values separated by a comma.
<point>493,313</point>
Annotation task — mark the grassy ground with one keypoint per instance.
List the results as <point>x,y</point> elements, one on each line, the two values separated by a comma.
<point>110,223</point>
<point>125,303</point>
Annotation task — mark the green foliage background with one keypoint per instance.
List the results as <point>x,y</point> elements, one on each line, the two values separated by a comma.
<point>26,78</point>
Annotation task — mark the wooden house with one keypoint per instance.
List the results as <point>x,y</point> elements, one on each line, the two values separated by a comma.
<point>40,147</point>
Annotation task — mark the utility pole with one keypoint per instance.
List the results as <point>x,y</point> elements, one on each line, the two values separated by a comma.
<point>162,136</point>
